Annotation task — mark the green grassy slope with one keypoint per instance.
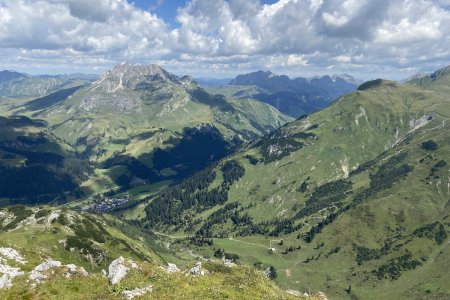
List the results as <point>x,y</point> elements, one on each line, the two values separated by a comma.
<point>92,242</point>
<point>358,193</point>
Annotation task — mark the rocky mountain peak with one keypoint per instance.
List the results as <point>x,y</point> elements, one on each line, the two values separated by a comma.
<point>126,75</point>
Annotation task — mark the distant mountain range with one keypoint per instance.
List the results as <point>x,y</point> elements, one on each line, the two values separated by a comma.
<point>20,85</point>
<point>293,97</point>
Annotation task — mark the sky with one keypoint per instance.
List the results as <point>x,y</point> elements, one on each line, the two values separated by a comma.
<point>222,38</point>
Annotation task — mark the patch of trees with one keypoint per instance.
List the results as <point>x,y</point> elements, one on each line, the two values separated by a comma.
<point>388,173</point>
<point>365,254</point>
<point>304,186</point>
<point>291,249</point>
<point>394,268</point>
<point>335,250</point>
<point>220,253</point>
<point>324,196</point>
<point>309,236</point>
<point>194,193</point>
<point>90,229</point>
<point>304,135</point>
<point>171,202</point>
<point>363,167</point>
<point>230,212</point>
<point>232,171</point>
<point>434,231</point>
<point>429,145</point>
<point>285,226</point>
<point>275,146</point>
<point>253,160</point>
<point>200,241</point>
<point>435,168</point>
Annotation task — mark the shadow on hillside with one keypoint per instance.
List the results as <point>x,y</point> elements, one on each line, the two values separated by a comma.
<point>184,155</point>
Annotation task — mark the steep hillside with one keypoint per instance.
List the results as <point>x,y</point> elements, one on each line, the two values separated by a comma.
<point>353,199</point>
<point>48,253</point>
<point>293,97</point>
<point>140,124</point>
<point>36,166</point>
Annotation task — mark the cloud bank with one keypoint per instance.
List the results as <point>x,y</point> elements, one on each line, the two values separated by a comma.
<point>368,38</point>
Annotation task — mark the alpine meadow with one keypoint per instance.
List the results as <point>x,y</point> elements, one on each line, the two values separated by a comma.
<point>196,149</point>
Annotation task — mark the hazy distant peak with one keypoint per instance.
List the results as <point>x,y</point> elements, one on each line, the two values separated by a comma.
<point>346,77</point>
<point>416,76</point>
<point>252,78</point>
<point>7,75</point>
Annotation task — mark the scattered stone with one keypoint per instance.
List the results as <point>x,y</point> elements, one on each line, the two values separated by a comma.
<point>133,265</point>
<point>228,262</point>
<point>83,271</point>
<point>294,293</point>
<point>137,292</point>
<point>48,265</point>
<point>104,273</point>
<point>12,254</point>
<point>321,296</point>
<point>37,275</point>
<point>74,270</point>
<point>172,268</point>
<point>117,270</point>
<point>197,270</point>
<point>8,274</point>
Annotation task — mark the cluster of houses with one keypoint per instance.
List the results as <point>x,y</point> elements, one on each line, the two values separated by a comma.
<point>107,204</point>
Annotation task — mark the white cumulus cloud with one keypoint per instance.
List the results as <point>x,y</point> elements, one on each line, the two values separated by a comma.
<point>364,37</point>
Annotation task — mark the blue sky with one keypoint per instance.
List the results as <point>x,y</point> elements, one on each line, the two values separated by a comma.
<point>223,38</point>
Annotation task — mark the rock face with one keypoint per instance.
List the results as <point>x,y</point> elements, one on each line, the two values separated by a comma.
<point>117,270</point>
<point>137,292</point>
<point>132,76</point>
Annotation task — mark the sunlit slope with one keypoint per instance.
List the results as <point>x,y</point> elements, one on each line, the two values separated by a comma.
<point>358,192</point>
